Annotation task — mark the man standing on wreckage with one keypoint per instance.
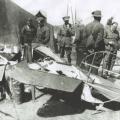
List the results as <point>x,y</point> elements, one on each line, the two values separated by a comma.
<point>65,39</point>
<point>95,41</point>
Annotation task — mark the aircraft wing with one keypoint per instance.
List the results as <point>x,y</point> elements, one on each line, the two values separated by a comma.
<point>22,73</point>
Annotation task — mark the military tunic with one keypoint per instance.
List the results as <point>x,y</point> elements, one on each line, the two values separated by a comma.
<point>95,34</point>
<point>65,40</point>
<point>111,36</point>
<point>43,35</point>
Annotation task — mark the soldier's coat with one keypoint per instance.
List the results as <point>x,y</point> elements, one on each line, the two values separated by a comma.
<point>45,35</point>
<point>110,36</point>
<point>94,34</point>
<point>65,35</point>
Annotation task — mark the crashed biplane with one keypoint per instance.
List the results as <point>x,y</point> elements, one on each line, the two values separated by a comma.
<point>48,70</point>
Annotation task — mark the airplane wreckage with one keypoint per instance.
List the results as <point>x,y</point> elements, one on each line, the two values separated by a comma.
<point>48,70</point>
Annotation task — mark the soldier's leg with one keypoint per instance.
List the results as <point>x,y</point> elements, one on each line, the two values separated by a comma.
<point>56,46</point>
<point>68,53</point>
<point>113,58</point>
<point>77,57</point>
<point>106,62</point>
<point>59,49</point>
<point>88,60</point>
<point>25,52</point>
<point>82,55</point>
<point>62,51</point>
<point>97,61</point>
<point>29,54</point>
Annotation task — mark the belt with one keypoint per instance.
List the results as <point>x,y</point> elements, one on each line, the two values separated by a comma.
<point>110,38</point>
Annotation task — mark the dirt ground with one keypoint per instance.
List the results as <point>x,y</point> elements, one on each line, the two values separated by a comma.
<point>50,105</point>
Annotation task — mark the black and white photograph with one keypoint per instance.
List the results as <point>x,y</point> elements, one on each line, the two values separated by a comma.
<point>59,60</point>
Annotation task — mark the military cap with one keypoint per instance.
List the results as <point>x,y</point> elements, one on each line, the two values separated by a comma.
<point>66,18</point>
<point>97,13</point>
<point>39,19</point>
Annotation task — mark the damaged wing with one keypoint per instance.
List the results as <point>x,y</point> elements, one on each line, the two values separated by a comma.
<point>22,73</point>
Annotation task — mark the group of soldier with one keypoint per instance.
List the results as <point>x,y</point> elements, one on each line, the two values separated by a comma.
<point>93,37</point>
<point>40,34</point>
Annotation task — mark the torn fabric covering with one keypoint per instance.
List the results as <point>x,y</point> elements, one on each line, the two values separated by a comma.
<point>54,67</point>
<point>87,96</point>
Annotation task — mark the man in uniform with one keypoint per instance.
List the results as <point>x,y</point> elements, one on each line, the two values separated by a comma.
<point>109,24</point>
<point>43,32</point>
<point>95,42</point>
<point>111,38</point>
<point>65,39</point>
<point>110,21</point>
<point>80,42</point>
<point>28,35</point>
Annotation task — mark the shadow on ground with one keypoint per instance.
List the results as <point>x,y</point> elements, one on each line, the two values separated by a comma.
<point>63,104</point>
<point>112,105</point>
<point>56,107</point>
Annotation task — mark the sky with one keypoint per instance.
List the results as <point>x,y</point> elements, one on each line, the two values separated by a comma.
<point>56,9</point>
